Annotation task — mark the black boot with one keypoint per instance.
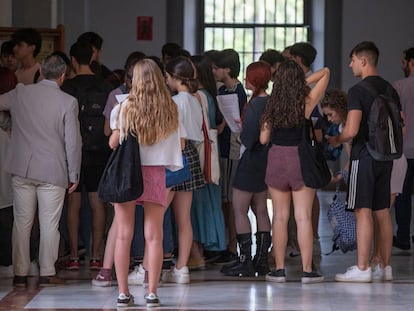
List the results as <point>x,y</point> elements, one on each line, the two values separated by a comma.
<point>260,261</point>
<point>244,267</point>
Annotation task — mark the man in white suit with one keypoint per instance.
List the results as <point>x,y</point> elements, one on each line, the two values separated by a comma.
<point>44,159</point>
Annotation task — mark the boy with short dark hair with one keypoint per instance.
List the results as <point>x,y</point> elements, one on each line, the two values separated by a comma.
<point>28,42</point>
<point>369,179</point>
<point>91,91</point>
<point>96,66</point>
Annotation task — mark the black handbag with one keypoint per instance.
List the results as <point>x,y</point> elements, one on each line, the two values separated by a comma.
<point>121,180</point>
<point>315,170</point>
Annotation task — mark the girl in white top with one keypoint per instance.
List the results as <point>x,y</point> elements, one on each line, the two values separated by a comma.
<point>151,116</point>
<point>181,77</point>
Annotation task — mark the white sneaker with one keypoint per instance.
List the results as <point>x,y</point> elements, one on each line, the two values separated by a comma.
<point>387,274</point>
<point>179,276</point>
<point>379,274</point>
<point>353,274</point>
<point>137,276</point>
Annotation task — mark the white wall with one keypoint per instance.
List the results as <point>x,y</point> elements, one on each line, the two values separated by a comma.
<point>115,21</point>
<point>388,23</point>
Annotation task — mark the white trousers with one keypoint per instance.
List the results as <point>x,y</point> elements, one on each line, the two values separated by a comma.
<point>28,194</point>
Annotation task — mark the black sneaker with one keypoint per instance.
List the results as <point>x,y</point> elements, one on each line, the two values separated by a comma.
<point>277,276</point>
<point>226,257</point>
<point>20,281</point>
<point>311,277</point>
<point>152,300</point>
<point>167,263</point>
<point>125,300</point>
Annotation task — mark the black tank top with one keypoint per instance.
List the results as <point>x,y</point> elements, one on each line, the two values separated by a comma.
<point>287,136</point>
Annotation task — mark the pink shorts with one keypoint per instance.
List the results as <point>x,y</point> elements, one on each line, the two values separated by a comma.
<point>155,190</point>
<point>283,170</point>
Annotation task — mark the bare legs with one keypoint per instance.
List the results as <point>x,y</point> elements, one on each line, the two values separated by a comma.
<point>153,231</point>
<point>379,242</point>
<point>228,213</point>
<point>302,200</point>
<point>182,207</point>
<point>124,221</point>
<point>74,203</point>
<point>98,222</point>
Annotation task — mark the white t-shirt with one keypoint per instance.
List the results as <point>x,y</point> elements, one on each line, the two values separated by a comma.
<point>166,152</point>
<point>191,116</point>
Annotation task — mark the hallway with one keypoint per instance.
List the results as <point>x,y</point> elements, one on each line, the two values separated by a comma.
<point>209,290</point>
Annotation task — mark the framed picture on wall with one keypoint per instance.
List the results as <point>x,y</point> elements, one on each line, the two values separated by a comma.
<point>144,28</point>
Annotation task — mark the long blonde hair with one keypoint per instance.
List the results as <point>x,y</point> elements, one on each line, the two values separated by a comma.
<point>149,113</point>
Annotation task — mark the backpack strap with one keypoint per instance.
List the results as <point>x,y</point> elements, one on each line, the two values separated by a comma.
<point>36,76</point>
<point>373,91</point>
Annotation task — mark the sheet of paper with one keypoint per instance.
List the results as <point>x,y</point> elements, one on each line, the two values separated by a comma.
<point>229,107</point>
<point>121,97</point>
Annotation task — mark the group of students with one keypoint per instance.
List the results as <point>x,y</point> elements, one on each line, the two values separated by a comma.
<point>163,111</point>
<point>246,174</point>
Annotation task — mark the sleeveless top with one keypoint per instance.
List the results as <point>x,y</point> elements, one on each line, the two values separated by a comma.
<point>287,136</point>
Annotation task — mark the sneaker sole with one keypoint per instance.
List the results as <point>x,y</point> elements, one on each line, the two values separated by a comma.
<point>102,283</point>
<point>312,280</point>
<point>352,280</point>
<point>153,304</point>
<point>197,268</point>
<point>180,280</point>
<point>279,279</point>
<point>124,305</point>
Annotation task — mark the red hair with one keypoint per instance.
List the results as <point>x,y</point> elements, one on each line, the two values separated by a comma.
<point>258,74</point>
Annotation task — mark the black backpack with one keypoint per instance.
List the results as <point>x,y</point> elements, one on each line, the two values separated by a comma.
<point>385,139</point>
<point>92,100</point>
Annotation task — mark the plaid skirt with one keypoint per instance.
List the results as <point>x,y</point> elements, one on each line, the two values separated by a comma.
<point>197,180</point>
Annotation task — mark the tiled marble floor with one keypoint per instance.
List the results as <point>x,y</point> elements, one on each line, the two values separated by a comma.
<point>209,290</point>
